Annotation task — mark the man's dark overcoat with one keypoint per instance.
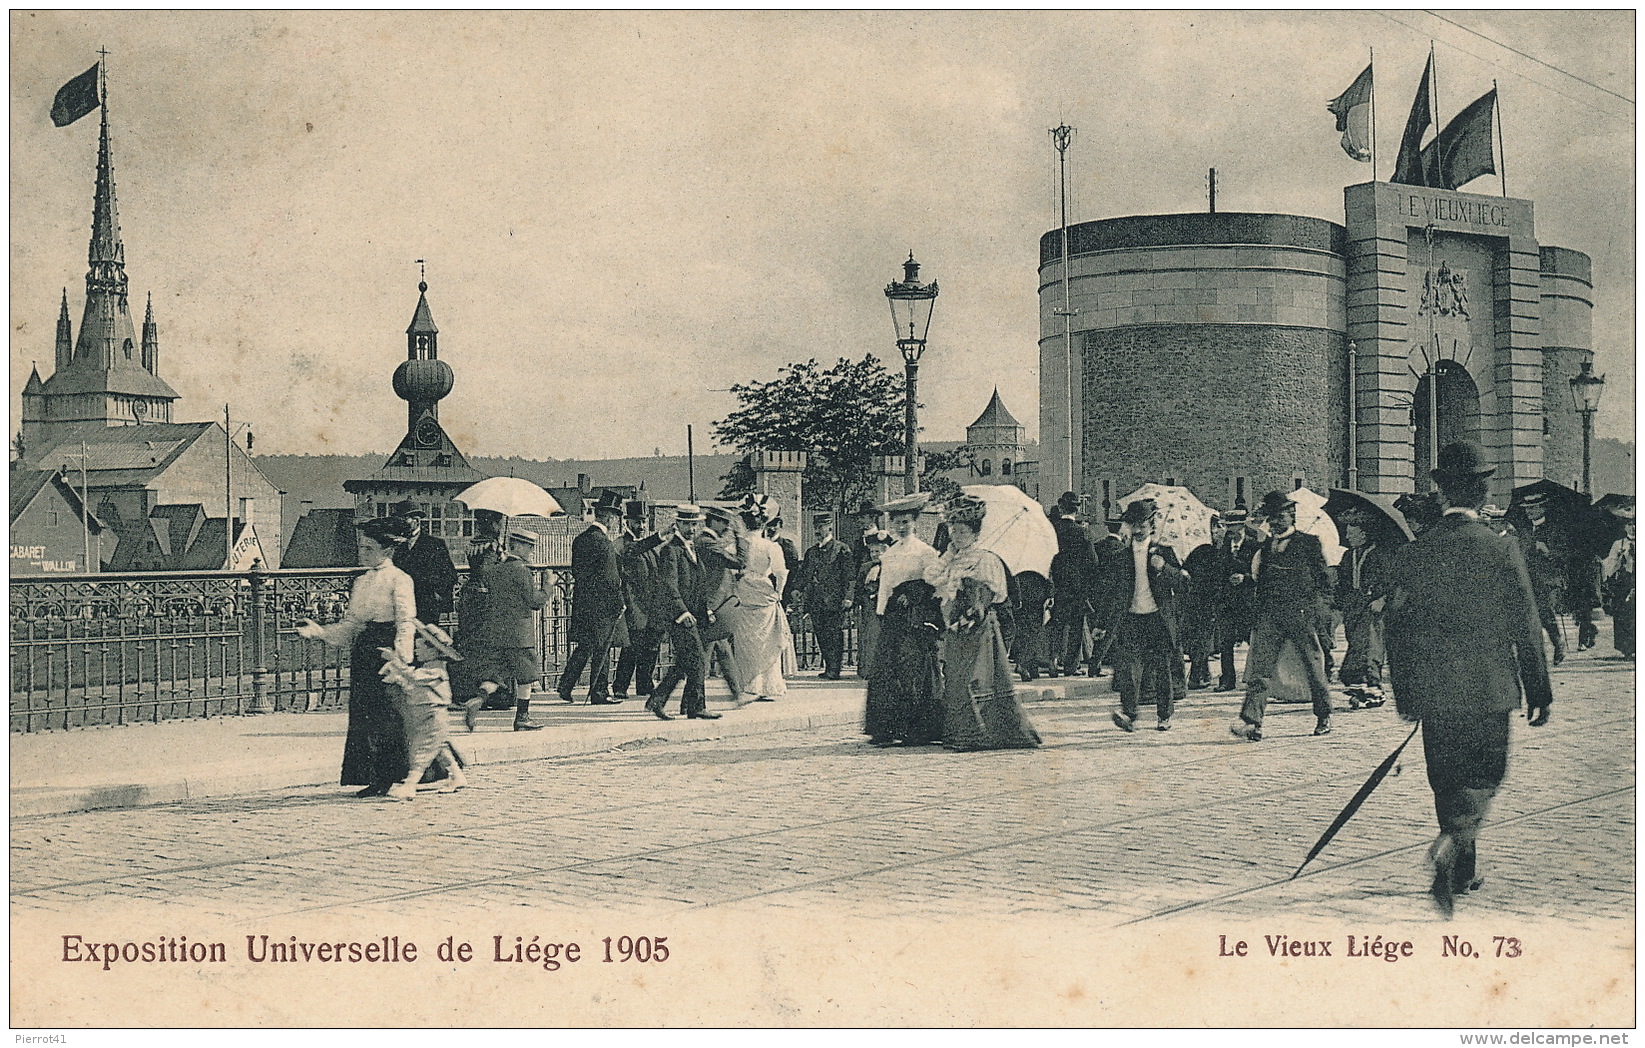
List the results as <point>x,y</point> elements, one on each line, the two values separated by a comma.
<point>597,591</point>
<point>433,576</point>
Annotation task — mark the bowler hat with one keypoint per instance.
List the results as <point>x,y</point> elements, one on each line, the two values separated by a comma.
<point>1140,511</point>
<point>1275,502</point>
<point>1463,458</point>
<point>609,502</point>
<point>1068,501</point>
<point>408,508</point>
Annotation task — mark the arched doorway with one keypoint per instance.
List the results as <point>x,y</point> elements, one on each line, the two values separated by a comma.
<point>1459,419</point>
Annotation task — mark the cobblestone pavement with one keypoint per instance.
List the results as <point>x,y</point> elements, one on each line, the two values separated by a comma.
<point>1122,828</point>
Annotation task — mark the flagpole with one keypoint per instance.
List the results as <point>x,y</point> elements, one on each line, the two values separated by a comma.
<point>1433,102</point>
<point>1502,147</point>
<point>1373,115</point>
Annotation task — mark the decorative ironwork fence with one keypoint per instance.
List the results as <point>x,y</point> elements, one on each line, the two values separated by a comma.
<point>110,649</point>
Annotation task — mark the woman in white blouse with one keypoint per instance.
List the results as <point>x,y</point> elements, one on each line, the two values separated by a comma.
<point>382,608</point>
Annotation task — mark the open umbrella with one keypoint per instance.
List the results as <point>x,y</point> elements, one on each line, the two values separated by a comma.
<point>1015,528</point>
<point>1313,520</point>
<point>1184,522</point>
<point>510,496</point>
<point>1386,524</point>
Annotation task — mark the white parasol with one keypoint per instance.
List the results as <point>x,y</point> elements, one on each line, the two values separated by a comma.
<point>1313,520</point>
<point>1016,528</point>
<point>510,496</point>
<point>1184,522</point>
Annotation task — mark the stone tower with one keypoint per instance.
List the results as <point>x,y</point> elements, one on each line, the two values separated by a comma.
<point>996,441</point>
<point>105,377</point>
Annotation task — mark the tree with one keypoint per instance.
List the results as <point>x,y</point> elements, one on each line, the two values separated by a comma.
<point>842,418</point>
<point>939,463</point>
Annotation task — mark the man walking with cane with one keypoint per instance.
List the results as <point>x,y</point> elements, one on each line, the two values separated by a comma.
<point>596,604</point>
<point>1463,639</point>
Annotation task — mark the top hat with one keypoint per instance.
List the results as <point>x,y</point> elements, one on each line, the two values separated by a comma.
<point>609,502</point>
<point>1139,511</point>
<point>1463,458</point>
<point>1275,502</point>
<point>408,508</point>
<point>634,509</point>
<point>914,503</point>
<point>687,511</point>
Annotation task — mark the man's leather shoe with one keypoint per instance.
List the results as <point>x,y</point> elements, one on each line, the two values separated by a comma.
<point>613,701</point>
<point>1322,726</point>
<point>564,697</point>
<point>1122,721</point>
<point>1247,731</point>
<point>527,726</point>
<point>702,715</point>
<point>656,710</point>
<point>376,789</point>
<point>1226,687</point>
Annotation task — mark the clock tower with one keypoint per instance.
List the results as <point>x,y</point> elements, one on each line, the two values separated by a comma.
<point>426,468</point>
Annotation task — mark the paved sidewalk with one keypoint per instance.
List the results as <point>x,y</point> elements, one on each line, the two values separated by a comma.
<point>141,764</point>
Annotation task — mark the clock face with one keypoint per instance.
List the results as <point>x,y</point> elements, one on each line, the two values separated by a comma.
<point>139,408</point>
<point>428,432</point>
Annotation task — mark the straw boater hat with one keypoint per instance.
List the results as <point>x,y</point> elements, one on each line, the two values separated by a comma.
<point>914,503</point>
<point>687,511</point>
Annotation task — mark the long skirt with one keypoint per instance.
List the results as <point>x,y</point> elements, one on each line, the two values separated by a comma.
<point>868,635</point>
<point>762,647</point>
<point>374,752</point>
<point>904,682</point>
<point>980,708</point>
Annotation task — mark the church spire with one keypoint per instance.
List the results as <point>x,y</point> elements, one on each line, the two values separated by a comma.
<point>151,338</point>
<point>65,334</point>
<point>107,338</point>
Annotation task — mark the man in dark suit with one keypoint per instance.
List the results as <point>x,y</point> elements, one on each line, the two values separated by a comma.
<point>715,544</point>
<point>427,560</point>
<point>830,578</point>
<point>596,604</point>
<point>637,563</point>
<point>1544,550</point>
<point>1143,594</point>
<point>1073,583</point>
<point>1463,640</point>
<point>1292,580</point>
<point>1236,591</point>
<point>682,602</point>
<point>1199,627</point>
<point>1112,556</point>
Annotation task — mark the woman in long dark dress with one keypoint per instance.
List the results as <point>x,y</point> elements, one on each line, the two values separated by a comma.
<point>904,680</point>
<point>980,708</point>
<point>382,609</point>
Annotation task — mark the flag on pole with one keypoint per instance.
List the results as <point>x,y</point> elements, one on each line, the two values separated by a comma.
<point>75,99</point>
<point>1353,110</point>
<point>1464,150</point>
<point>1408,168</point>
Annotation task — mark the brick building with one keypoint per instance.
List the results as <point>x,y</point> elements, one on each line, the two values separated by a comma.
<point>1220,351</point>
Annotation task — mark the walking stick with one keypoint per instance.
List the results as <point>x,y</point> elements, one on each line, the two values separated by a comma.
<point>1358,799</point>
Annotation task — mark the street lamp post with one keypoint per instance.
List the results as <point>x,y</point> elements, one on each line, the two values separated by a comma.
<point>911,305</point>
<point>1586,388</point>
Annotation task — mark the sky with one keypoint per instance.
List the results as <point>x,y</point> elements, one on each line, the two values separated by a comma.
<point>623,214</point>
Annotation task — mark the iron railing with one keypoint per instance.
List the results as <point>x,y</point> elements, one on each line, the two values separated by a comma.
<point>110,649</point>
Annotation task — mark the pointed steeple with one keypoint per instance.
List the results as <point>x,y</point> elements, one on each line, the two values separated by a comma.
<point>151,338</point>
<point>65,334</point>
<point>34,387</point>
<point>107,338</point>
